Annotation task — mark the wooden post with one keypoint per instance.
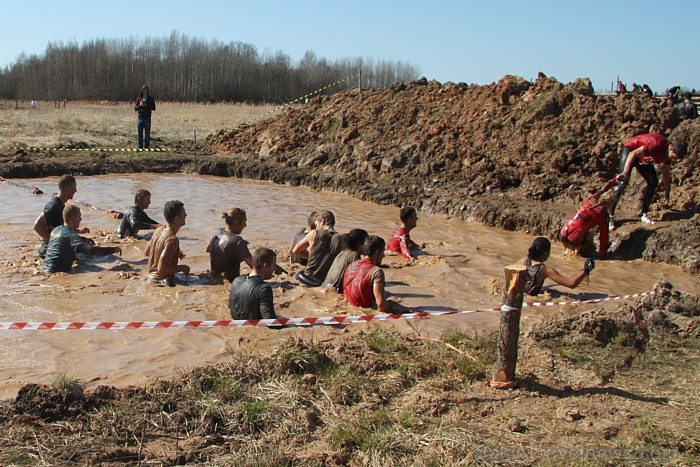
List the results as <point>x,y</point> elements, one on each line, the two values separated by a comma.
<point>507,347</point>
<point>359,79</point>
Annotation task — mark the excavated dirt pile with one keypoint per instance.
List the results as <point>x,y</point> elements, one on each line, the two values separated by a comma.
<point>514,154</point>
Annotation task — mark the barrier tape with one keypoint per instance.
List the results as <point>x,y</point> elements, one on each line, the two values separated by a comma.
<point>287,322</point>
<point>36,148</point>
<point>313,93</point>
<point>37,191</point>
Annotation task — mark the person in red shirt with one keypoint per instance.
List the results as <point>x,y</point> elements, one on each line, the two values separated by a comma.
<point>576,234</point>
<point>642,152</point>
<point>400,240</point>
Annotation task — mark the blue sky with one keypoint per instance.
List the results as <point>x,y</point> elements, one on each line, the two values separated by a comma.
<point>456,40</point>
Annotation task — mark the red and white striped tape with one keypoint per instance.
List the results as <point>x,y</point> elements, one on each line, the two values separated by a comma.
<point>326,321</point>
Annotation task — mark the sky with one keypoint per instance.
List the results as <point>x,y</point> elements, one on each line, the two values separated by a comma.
<point>448,40</point>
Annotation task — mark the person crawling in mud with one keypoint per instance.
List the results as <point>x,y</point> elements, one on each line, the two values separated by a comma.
<point>577,233</point>
<point>301,233</point>
<point>641,152</point>
<point>163,250</point>
<point>354,247</point>
<point>537,254</point>
<point>251,296</point>
<point>364,283</point>
<point>135,218</point>
<point>227,249</point>
<point>64,243</point>
<point>320,246</point>
<point>52,215</point>
<point>400,240</point>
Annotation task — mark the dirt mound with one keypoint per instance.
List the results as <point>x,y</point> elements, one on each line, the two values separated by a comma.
<point>514,154</point>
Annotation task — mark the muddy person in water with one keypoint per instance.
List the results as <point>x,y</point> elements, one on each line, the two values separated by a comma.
<point>135,218</point>
<point>400,240</point>
<point>320,246</point>
<point>163,251</point>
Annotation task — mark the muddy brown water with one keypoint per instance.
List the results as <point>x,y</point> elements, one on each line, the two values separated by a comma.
<point>463,261</point>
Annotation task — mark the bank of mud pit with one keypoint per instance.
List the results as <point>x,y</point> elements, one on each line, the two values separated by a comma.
<point>514,155</point>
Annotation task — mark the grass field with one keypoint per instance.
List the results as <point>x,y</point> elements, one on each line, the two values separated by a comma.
<point>113,124</point>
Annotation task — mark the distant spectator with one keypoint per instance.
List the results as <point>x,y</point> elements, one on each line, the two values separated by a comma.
<point>672,93</point>
<point>636,88</point>
<point>687,110</point>
<point>647,90</point>
<point>145,104</point>
<point>621,88</point>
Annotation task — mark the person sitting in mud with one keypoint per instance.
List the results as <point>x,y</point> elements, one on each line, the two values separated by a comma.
<point>251,296</point>
<point>641,152</point>
<point>65,243</point>
<point>163,250</point>
<point>320,247</point>
<point>354,243</point>
<point>301,233</point>
<point>227,249</point>
<point>135,218</point>
<point>577,233</point>
<point>52,216</point>
<point>364,283</point>
<point>537,254</point>
<point>400,240</point>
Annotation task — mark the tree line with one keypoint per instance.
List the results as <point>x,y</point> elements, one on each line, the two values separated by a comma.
<point>180,68</point>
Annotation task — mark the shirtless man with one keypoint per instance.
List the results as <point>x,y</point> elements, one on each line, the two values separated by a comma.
<point>135,218</point>
<point>65,242</point>
<point>52,216</point>
<point>251,296</point>
<point>320,246</point>
<point>163,250</point>
<point>400,240</point>
<point>301,233</point>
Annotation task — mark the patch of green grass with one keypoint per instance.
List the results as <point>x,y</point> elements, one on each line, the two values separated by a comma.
<point>253,414</point>
<point>384,342</point>
<point>16,456</point>
<point>70,384</point>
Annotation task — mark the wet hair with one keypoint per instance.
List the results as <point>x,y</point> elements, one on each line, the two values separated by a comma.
<point>70,211</point>
<point>262,257</point>
<point>234,215</point>
<point>66,181</point>
<point>539,249</point>
<point>687,95</point>
<point>172,209</point>
<point>141,194</point>
<point>406,213</point>
<point>311,221</point>
<point>326,217</point>
<point>374,244</point>
<point>355,239</point>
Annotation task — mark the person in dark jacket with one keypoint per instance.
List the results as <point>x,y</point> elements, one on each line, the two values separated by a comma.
<point>687,110</point>
<point>135,218</point>
<point>65,243</point>
<point>251,296</point>
<point>145,105</point>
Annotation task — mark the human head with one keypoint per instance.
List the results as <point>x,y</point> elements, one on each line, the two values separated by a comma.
<point>173,210</point>
<point>235,219</point>
<point>409,217</point>
<point>143,198</point>
<point>687,96</point>
<point>72,216</point>
<point>355,239</point>
<point>608,200</point>
<point>145,91</point>
<point>67,186</point>
<point>540,249</point>
<point>375,248</point>
<point>311,221</point>
<point>326,217</point>
<point>264,262</point>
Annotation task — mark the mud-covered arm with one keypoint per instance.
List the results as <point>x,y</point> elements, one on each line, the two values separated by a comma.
<point>406,250</point>
<point>81,245</point>
<point>633,156</point>
<point>571,283</point>
<point>40,227</point>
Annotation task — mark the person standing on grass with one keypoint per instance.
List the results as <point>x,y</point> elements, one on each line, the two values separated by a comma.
<point>145,105</point>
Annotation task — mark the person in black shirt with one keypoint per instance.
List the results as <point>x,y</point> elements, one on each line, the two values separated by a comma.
<point>687,110</point>
<point>65,243</point>
<point>251,296</point>
<point>52,215</point>
<point>135,218</point>
<point>227,249</point>
<point>145,104</point>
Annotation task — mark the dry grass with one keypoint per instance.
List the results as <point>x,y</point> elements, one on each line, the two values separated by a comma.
<point>113,124</point>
